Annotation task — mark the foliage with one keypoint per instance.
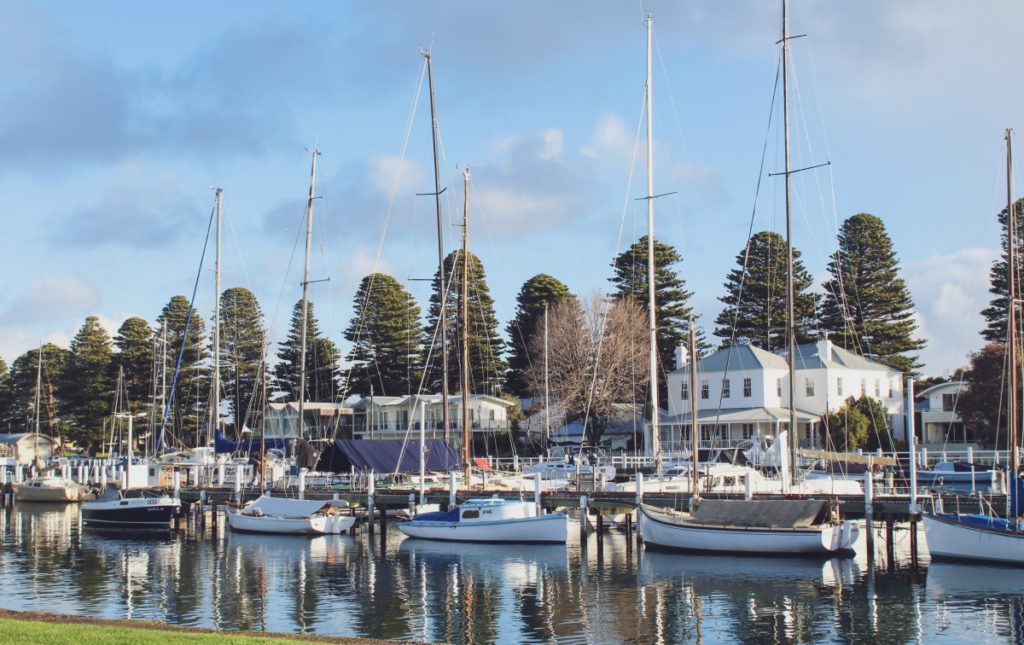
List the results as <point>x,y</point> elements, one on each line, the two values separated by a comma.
<point>189,373</point>
<point>867,307</point>
<point>387,338</point>
<point>755,299</point>
<point>134,344</point>
<point>486,367</point>
<point>22,384</point>
<point>86,387</point>
<point>322,357</point>
<point>242,348</point>
<point>982,404</point>
<point>593,362</point>
<point>535,296</point>
<point>996,313</point>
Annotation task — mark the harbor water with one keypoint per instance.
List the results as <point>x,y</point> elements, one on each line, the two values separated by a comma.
<point>396,588</point>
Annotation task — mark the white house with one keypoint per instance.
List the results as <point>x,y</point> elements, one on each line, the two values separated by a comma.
<point>320,420</point>
<point>393,417</point>
<point>743,391</point>
<point>939,422</point>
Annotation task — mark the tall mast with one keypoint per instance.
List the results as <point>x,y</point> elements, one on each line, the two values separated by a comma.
<point>440,253</point>
<point>465,329</point>
<point>215,411</point>
<point>790,327</point>
<point>39,388</point>
<point>694,426</point>
<point>652,315</point>
<point>1011,264</point>
<point>547,399</point>
<point>305,293</point>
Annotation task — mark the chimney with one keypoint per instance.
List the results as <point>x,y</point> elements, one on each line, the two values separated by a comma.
<point>825,349</point>
<point>682,356</point>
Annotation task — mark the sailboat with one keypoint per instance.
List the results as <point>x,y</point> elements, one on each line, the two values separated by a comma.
<point>49,486</point>
<point>752,527</point>
<point>981,536</point>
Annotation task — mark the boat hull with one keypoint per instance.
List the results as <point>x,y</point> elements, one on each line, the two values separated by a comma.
<point>61,492</point>
<point>666,532</point>
<point>316,525</point>
<point>949,538</point>
<point>142,514</point>
<point>540,529</point>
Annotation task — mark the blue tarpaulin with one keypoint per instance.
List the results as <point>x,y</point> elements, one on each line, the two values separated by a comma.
<point>222,444</point>
<point>387,456</point>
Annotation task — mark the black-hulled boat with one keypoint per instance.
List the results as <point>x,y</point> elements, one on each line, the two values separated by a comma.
<point>130,510</point>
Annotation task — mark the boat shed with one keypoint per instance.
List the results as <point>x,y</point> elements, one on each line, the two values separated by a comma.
<point>387,456</point>
<point>26,447</point>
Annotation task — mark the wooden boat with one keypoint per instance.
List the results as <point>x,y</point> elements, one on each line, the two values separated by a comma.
<point>142,511</point>
<point>758,527</point>
<point>285,516</point>
<point>490,520</point>
<point>52,488</point>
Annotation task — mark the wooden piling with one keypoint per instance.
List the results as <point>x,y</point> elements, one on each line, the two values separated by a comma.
<point>913,543</point>
<point>890,546</point>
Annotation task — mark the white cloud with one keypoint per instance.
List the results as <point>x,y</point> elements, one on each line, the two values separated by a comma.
<point>611,142</point>
<point>47,298</point>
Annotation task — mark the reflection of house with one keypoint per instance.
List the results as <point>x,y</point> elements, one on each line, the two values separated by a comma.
<point>25,448</point>
<point>390,417</point>
<point>743,391</point>
<point>938,421</point>
<point>320,420</point>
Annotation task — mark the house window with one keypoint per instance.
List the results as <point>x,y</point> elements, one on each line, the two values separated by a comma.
<point>892,389</point>
<point>725,388</point>
<point>878,389</point>
<point>809,386</point>
<point>863,387</point>
<point>747,389</point>
<point>839,386</point>
<point>748,430</point>
<point>948,402</point>
<point>808,433</point>
<point>686,391</point>
<point>705,391</point>
<point>492,415</point>
<point>706,430</point>
<point>684,433</point>
<point>778,387</point>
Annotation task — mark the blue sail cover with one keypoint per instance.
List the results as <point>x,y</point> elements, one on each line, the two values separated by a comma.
<point>387,456</point>
<point>222,444</point>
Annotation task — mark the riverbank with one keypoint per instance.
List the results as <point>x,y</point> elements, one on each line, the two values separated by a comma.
<point>64,629</point>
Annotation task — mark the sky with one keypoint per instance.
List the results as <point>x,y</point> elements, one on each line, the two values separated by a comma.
<point>118,118</point>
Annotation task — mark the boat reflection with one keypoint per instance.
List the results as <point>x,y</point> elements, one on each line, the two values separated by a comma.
<point>969,594</point>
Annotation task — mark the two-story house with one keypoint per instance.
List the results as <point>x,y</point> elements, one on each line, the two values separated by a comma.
<point>938,422</point>
<point>393,417</point>
<point>743,392</point>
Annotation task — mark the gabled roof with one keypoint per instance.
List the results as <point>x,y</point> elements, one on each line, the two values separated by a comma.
<point>429,399</point>
<point>738,357</point>
<point>809,356</point>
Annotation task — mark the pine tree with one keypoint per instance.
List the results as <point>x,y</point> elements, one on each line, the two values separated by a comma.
<point>536,295</point>
<point>22,385</point>
<point>189,372</point>
<point>755,299</point>
<point>134,343</point>
<point>322,357</point>
<point>6,399</point>
<point>486,366</point>
<point>996,313</point>
<point>867,307</point>
<point>242,338</point>
<point>86,385</point>
<point>387,338</point>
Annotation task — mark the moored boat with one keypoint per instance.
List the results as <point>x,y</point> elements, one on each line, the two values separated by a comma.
<point>973,537</point>
<point>490,520</point>
<point>142,511</point>
<point>52,488</point>
<point>285,516</point>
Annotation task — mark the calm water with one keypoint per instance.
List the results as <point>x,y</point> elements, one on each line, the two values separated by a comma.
<point>407,589</point>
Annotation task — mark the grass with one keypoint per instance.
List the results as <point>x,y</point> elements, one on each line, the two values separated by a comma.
<point>51,629</point>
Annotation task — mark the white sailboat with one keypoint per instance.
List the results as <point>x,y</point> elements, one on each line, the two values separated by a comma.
<point>279,515</point>
<point>750,527</point>
<point>980,536</point>
<point>491,520</point>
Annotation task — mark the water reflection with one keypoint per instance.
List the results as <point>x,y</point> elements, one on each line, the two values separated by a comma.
<point>410,589</point>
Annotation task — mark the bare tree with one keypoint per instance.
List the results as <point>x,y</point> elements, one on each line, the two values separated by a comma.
<point>597,359</point>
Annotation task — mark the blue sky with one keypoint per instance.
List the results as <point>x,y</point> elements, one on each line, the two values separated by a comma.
<point>116,118</point>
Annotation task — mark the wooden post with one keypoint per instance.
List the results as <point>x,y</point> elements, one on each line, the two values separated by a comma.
<point>913,543</point>
<point>369,502</point>
<point>869,512</point>
<point>583,518</point>
<point>890,547</point>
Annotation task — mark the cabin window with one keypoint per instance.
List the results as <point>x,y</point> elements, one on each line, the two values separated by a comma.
<point>778,387</point>
<point>685,390</point>
<point>809,386</point>
<point>705,390</point>
<point>726,388</point>
<point>839,386</point>
<point>470,514</point>
<point>747,389</point>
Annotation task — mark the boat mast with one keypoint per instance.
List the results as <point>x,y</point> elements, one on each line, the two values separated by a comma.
<point>694,426</point>
<point>790,327</point>
<point>215,410</point>
<point>305,293</point>
<point>39,389</point>
<point>465,329</point>
<point>651,314</point>
<point>440,253</point>
<point>1011,234</point>
<point>547,399</point>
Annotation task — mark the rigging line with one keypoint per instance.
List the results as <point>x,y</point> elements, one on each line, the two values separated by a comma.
<point>184,338</point>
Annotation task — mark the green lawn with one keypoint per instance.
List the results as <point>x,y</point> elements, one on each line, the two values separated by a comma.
<point>71,633</point>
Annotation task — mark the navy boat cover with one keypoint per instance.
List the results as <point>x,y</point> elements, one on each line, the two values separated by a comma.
<point>387,456</point>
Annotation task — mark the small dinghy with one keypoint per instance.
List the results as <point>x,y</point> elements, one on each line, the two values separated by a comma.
<point>490,520</point>
<point>286,516</point>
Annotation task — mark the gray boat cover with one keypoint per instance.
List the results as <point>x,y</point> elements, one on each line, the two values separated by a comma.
<point>762,513</point>
<point>285,507</point>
